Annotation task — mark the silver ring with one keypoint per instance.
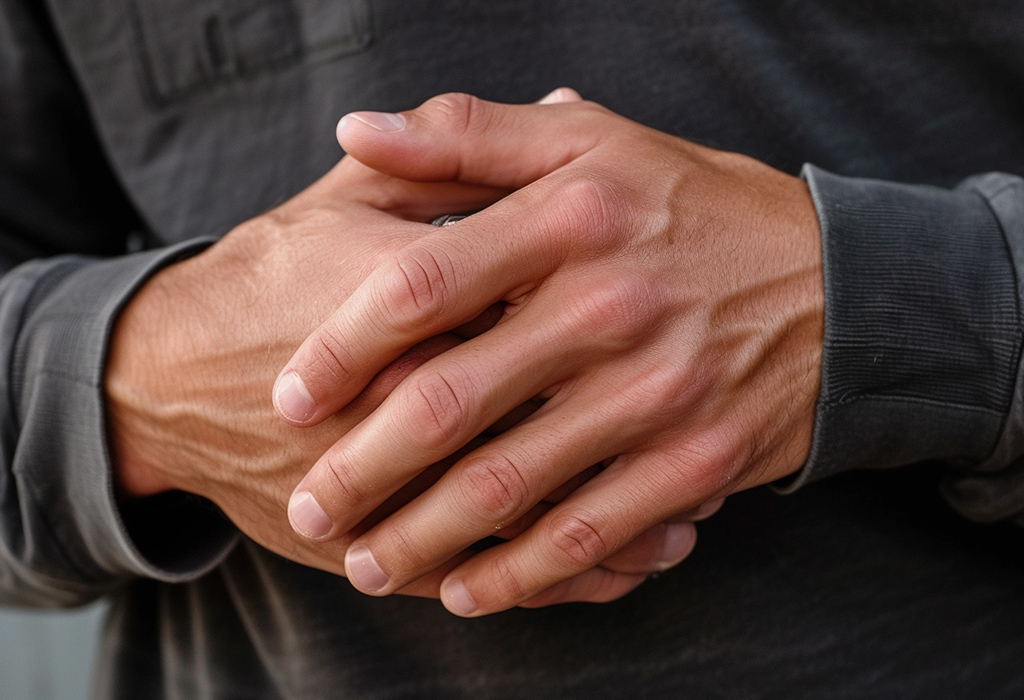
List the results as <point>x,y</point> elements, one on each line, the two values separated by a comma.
<point>448,219</point>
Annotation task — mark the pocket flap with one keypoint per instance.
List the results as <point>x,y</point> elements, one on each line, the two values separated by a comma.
<point>189,45</point>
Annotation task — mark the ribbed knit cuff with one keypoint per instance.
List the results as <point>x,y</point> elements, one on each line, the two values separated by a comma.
<point>922,326</point>
<point>994,489</point>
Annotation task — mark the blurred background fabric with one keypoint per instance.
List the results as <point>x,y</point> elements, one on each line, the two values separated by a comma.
<point>48,655</point>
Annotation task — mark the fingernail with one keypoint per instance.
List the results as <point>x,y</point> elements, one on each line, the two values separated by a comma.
<point>558,96</point>
<point>307,517</point>
<point>708,509</point>
<point>381,121</point>
<point>679,541</point>
<point>457,598</point>
<point>553,97</point>
<point>292,399</point>
<point>363,571</point>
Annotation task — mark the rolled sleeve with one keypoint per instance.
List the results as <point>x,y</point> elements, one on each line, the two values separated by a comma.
<point>65,538</point>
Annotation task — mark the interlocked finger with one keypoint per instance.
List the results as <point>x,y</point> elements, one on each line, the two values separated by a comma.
<point>588,528</point>
<point>436,283</point>
<point>435,411</point>
<point>494,486</point>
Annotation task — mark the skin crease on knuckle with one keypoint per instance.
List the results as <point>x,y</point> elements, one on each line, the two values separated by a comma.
<point>494,489</point>
<point>345,491</point>
<point>437,407</point>
<point>415,287</point>
<point>503,580</point>
<point>330,360</point>
<point>506,580</point>
<point>488,491</point>
<point>578,540</point>
<point>500,493</point>
<point>431,278</point>
<point>457,113</point>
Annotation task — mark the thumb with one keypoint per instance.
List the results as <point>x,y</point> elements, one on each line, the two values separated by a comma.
<point>461,137</point>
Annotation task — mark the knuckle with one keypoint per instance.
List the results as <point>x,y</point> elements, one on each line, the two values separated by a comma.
<point>595,211</point>
<point>402,544</point>
<point>661,392</point>
<point>460,113</point>
<point>439,409</point>
<point>505,581</point>
<point>331,356</point>
<point>419,286</point>
<point>496,488</point>
<point>616,310</point>
<point>595,108</point>
<point>723,448</point>
<point>347,489</point>
<point>579,541</point>
<point>709,462</point>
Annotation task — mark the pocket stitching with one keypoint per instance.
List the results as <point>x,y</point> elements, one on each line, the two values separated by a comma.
<point>346,44</point>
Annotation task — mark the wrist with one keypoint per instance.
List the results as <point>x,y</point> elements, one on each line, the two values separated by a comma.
<point>144,379</point>
<point>191,362</point>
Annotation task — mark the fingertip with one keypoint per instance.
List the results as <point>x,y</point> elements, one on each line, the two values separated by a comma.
<point>559,96</point>
<point>708,509</point>
<point>680,539</point>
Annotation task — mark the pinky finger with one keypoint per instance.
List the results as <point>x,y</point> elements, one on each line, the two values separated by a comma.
<point>658,549</point>
<point>599,585</point>
<point>429,585</point>
<point>702,512</point>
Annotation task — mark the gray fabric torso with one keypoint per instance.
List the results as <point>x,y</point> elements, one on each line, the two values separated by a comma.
<point>211,112</point>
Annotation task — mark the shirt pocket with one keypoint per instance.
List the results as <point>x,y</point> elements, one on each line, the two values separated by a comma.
<point>189,46</point>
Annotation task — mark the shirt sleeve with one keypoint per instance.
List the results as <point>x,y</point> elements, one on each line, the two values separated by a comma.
<point>64,226</point>
<point>923,334</point>
<point>65,539</point>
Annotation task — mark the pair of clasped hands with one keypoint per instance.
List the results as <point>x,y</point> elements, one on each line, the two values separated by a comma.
<point>627,330</point>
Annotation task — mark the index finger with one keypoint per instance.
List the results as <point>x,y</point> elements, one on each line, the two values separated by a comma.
<point>434,284</point>
<point>446,279</point>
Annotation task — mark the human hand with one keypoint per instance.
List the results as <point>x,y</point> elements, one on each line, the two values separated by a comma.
<point>665,298</point>
<point>195,353</point>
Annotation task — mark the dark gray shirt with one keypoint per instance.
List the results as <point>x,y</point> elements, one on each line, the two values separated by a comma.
<point>131,124</point>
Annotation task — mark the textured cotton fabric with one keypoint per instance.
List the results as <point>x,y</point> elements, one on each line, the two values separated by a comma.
<point>155,126</point>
